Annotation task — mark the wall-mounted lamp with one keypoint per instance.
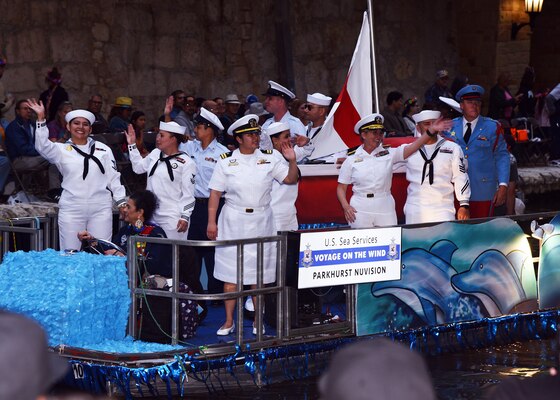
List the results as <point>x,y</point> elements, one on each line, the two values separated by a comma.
<point>533,8</point>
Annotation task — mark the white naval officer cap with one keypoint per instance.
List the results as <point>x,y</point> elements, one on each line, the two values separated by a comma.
<point>246,124</point>
<point>276,127</point>
<point>275,89</point>
<point>426,115</point>
<point>208,117</point>
<point>80,113</point>
<point>319,99</point>
<point>172,127</point>
<point>372,121</point>
<point>451,103</point>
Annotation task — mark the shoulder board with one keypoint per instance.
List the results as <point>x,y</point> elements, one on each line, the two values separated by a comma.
<point>226,155</point>
<point>266,151</point>
<point>351,150</point>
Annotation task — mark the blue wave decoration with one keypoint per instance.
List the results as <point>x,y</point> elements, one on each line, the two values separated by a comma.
<point>296,361</point>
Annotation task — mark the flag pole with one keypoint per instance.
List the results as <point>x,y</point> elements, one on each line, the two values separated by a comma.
<point>373,66</point>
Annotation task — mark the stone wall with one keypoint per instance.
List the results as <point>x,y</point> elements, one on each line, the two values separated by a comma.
<point>545,46</point>
<point>146,49</point>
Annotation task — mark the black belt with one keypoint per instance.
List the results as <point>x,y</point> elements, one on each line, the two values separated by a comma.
<point>370,195</point>
<point>203,200</point>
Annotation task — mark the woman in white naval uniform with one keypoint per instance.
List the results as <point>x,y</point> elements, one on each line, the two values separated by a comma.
<point>90,177</point>
<point>205,151</point>
<point>434,173</point>
<point>246,176</point>
<point>283,196</point>
<point>369,170</point>
<point>171,175</point>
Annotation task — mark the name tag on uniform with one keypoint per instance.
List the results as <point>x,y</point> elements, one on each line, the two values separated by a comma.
<point>209,159</point>
<point>382,153</point>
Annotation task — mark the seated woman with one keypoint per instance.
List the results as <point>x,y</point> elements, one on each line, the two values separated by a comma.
<point>154,259</point>
<point>138,211</point>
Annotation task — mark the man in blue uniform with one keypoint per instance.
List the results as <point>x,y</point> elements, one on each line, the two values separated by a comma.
<point>485,151</point>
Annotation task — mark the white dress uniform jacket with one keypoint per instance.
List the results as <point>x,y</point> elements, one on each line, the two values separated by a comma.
<point>175,197</point>
<point>246,180</point>
<point>434,202</point>
<point>371,176</point>
<point>284,202</point>
<point>205,160</point>
<point>85,203</point>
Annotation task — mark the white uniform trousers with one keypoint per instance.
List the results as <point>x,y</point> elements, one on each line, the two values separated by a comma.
<point>169,225</point>
<point>235,223</point>
<point>378,210</point>
<point>415,214</point>
<point>96,218</point>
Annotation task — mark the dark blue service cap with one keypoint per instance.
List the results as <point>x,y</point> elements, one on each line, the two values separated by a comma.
<point>470,92</point>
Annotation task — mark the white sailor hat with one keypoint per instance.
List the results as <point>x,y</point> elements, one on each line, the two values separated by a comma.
<point>208,117</point>
<point>426,115</point>
<point>372,121</point>
<point>172,127</point>
<point>80,113</point>
<point>275,89</point>
<point>319,99</point>
<point>246,124</point>
<point>276,127</point>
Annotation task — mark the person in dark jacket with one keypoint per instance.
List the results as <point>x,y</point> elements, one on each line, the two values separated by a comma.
<point>54,95</point>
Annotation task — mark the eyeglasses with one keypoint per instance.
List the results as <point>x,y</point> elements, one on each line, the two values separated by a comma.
<point>309,107</point>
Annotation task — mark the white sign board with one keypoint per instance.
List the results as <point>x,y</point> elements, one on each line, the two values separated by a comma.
<point>349,256</point>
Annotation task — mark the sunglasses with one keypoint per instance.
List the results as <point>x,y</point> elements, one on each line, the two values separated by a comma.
<point>309,107</point>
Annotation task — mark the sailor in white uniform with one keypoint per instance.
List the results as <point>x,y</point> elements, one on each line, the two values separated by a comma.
<point>205,151</point>
<point>245,176</point>
<point>436,174</point>
<point>369,170</point>
<point>276,102</point>
<point>283,196</point>
<point>90,178</point>
<point>171,176</point>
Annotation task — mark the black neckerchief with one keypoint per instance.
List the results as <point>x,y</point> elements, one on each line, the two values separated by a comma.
<point>429,162</point>
<point>167,164</point>
<point>88,157</point>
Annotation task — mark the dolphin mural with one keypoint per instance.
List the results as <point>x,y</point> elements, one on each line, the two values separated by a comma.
<point>425,284</point>
<point>495,280</point>
<point>549,268</point>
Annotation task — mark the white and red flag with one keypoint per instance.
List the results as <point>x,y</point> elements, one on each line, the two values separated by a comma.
<point>353,103</point>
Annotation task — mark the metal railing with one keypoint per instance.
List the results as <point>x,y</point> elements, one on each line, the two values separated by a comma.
<point>284,331</point>
<point>41,230</point>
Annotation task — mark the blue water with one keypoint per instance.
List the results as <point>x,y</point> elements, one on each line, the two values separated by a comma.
<point>464,375</point>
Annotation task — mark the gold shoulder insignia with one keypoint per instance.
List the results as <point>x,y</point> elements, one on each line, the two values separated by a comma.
<point>266,151</point>
<point>226,155</point>
<point>351,151</point>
